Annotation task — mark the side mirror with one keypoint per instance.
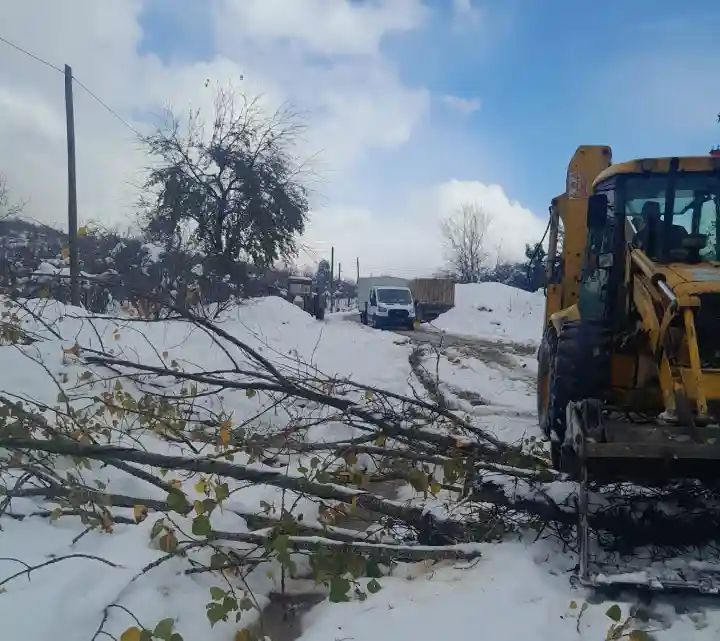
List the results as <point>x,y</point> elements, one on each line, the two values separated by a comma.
<point>597,210</point>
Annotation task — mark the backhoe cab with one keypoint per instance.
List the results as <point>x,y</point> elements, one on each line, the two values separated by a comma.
<point>629,364</point>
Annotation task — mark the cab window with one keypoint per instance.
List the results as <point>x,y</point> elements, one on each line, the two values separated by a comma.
<point>692,231</point>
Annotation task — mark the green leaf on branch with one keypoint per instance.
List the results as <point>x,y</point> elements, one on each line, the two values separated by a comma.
<point>201,525</point>
<point>164,629</point>
<point>215,613</point>
<point>177,502</point>
<point>222,491</point>
<point>373,587</point>
<point>217,594</point>
<point>157,529</point>
<point>339,589</point>
<point>614,612</point>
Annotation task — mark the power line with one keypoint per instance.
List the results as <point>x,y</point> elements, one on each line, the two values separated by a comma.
<point>75,79</point>
<point>32,55</point>
<point>112,111</point>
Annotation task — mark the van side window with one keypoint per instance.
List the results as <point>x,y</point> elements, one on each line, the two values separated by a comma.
<point>373,300</point>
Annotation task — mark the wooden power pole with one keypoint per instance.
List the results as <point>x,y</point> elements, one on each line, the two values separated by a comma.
<point>72,189</point>
<point>332,278</point>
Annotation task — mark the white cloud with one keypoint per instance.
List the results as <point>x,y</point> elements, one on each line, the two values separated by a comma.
<point>463,105</point>
<point>405,240</point>
<point>322,55</point>
<point>323,26</point>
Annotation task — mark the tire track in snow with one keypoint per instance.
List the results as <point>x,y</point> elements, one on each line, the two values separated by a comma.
<point>506,417</point>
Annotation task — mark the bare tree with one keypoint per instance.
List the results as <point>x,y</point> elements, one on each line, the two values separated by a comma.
<point>231,190</point>
<point>464,239</point>
<point>7,208</point>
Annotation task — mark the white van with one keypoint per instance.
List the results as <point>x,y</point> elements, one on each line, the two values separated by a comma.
<point>389,306</point>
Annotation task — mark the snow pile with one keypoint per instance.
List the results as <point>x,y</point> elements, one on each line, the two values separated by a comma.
<point>496,312</point>
<point>127,566</point>
<point>115,566</point>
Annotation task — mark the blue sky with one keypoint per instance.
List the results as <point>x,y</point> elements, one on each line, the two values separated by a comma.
<point>382,81</point>
<point>558,74</point>
<point>549,75</point>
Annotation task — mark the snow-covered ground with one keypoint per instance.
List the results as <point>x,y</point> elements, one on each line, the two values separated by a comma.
<point>496,312</point>
<point>516,590</point>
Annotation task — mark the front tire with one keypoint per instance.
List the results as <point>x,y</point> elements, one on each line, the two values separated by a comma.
<point>579,369</point>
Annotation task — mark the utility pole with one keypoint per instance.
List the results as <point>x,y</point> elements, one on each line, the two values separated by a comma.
<point>339,279</point>
<point>357,281</point>
<point>72,189</point>
<point>332,278</point>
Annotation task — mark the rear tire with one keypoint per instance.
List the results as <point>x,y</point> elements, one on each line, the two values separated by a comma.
<point>580,369</point>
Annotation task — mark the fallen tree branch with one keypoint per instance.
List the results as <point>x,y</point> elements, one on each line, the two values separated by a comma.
<point>413,515</point>
<point>31,568</point>
<point>377,551</point>
<point>494,451</point>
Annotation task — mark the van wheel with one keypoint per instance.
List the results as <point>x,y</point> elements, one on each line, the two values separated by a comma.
<point>373,322</point>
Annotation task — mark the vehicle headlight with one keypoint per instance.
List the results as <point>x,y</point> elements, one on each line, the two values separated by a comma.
<point>382,309</point>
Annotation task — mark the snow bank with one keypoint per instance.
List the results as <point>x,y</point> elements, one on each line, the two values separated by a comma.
<point>495,312</point>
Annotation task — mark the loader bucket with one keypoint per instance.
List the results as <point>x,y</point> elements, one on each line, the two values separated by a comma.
<point>603,450</point>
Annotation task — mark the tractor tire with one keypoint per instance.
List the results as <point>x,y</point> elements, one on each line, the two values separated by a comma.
<point>546,353</point>
<point>580,369</point>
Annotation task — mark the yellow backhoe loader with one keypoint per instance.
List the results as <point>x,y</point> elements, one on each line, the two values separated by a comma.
<point>629,364</point>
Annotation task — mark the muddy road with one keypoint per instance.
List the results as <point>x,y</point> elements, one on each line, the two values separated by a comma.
<point>503,353</point>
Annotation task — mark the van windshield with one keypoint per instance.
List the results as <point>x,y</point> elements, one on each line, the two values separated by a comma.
<point>394,296</point>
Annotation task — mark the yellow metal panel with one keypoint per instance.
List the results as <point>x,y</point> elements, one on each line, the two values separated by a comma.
<point>711,383</point>
<point>571,313</point>
<point>553,301</point>
<point>667,386</point>
<point>587,162</point>
<point>644,303</point>
<point>659,165</point>
<point>695,365</point>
